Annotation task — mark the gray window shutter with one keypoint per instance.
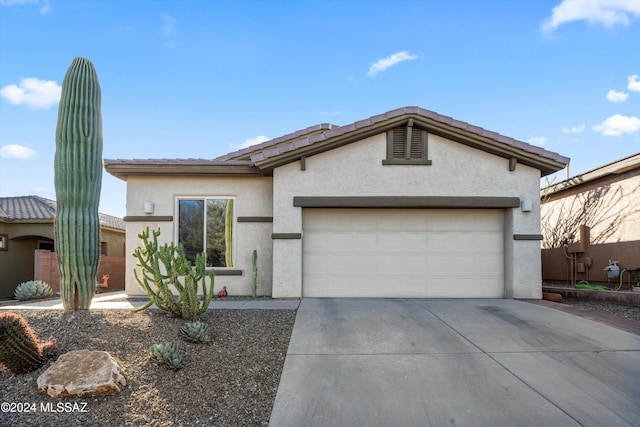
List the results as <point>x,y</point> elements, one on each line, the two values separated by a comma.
<point>407,145</point>
<point>416,145</point>
<point>399,143</point>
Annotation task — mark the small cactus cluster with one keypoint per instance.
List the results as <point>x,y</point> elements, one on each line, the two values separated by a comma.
<point>166,352</point>
<point>32,289</point>
<point>197,332</point>
<point>20,349</point>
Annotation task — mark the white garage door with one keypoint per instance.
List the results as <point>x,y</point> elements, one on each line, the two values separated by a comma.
<point>403,253</point>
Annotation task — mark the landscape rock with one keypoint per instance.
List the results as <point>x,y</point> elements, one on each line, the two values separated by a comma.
<point>82,373</point>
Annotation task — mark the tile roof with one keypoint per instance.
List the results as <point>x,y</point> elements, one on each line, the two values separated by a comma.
<point>299,139</point>
<point>617,167</point>
<point>291,136</point>
<point>313,139</point>
<point>38,208</point>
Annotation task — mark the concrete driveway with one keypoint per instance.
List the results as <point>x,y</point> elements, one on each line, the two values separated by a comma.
<point>412,362</point>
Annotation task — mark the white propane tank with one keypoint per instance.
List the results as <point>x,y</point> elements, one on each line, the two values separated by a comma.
<point>612,270</point>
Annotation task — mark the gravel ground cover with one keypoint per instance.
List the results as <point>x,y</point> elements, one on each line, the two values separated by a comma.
<point>230,382</point>
<point>623,311</point>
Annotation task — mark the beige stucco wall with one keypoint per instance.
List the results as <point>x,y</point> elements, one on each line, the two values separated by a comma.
<point>615,228</point>
<point>620,205</point>
<point>114,240</point>
<point>457,170</point>
<point>16,263</point>
<point>253,198</point>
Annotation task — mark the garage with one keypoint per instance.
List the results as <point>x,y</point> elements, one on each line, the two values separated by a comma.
<point>420,253</point>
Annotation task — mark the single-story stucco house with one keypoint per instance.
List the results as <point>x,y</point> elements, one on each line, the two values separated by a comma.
<point>408,203</point>
<point>27,244</point>
<point>607,201</point>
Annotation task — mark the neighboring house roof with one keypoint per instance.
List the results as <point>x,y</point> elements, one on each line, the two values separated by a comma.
<point>626,166</point>
<point>261,159</point>
<point>36,208</point>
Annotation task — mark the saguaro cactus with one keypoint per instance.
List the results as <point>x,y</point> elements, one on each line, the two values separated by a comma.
<point>78,179</point>
<point>228,234</point>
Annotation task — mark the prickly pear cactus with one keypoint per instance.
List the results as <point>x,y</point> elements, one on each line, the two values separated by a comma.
<point>32,289</point>
<point>20,350</point>
<point>78,180</point>
<point>195,332</point>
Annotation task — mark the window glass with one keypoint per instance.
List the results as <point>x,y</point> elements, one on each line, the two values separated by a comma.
<point>207,223</point>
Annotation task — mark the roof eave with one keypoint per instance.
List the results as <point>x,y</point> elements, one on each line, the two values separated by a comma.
<point>615,168</point>
<point>123,170</point>
<point>546,165</point>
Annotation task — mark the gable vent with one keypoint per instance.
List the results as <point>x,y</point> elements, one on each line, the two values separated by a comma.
<point>399,143</point>
<point>416,145</point>
<point>407,145</point>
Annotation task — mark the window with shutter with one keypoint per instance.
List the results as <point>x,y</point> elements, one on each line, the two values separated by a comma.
<point>407,145</point>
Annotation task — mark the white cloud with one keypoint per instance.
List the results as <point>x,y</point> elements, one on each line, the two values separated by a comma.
<point>572,130</point>
<point>45,6</point>
<point>389,61</point>
<point>634,84</point>
<point>606,12</point>
<point>169,29</point>
<point>249,142</point>
<point>617,124</point>
<point>614,96</point>
<point>168,24</point>
<point>33,92</point>
<point>15,151</point>
<point>538,140</point>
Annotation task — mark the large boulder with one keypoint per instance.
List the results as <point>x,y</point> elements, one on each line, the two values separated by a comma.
<point>82,373</point>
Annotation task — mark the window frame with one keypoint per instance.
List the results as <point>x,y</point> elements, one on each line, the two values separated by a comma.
<point>407,160</point>
<point>204,225</point>
<point>4,242</point>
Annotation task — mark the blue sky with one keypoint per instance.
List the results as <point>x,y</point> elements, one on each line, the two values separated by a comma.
<point>198,79</point>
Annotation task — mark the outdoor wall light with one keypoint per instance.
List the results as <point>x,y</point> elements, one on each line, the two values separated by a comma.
<point>148,207</point>
<point>526,205</point>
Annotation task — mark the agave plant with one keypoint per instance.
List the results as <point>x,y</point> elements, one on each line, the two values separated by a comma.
<point>195,332</point>
<point>32,289</point>
<point>166,352</point>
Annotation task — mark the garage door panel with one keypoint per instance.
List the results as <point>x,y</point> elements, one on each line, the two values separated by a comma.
<point>461,241</point>
<point>403,253</point>
<point>389,265</point>
<point>472,263</point>
<point>316,242</point>
<point>315,264</point>
<point>415,264</point>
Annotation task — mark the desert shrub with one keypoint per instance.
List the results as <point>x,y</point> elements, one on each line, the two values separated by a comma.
<point>163,269</point>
